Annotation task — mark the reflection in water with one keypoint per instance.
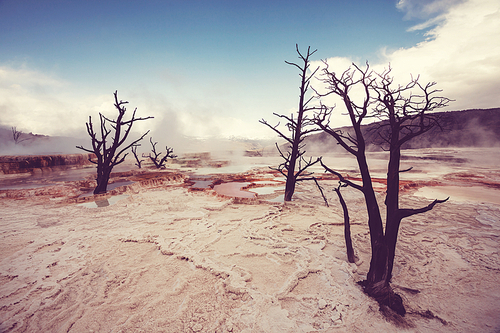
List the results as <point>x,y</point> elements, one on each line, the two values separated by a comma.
<point>201,183</point>
<point>112,186</point>
<point>280,198</point>
<point>103,202</point>
<point>233,190</point>
<point>265,190</point>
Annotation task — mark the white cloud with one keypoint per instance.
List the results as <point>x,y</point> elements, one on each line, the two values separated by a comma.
<point>427,24</point>
<point>40,103</point>
<point>424,9</point>
<point>43,104</point>
<point>463,56</point>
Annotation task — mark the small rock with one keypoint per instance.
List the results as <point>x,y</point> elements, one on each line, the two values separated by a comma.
<point>197,328</point>
<point>322,304</point>
<point>336,317</point>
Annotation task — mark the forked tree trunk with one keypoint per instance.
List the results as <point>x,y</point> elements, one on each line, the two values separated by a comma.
<point>408,117</point>
<point>377,283</point>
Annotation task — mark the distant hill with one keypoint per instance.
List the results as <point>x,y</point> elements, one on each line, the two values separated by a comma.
<point>29,144</point>
<point>6,136</point>
<point>468,128</point>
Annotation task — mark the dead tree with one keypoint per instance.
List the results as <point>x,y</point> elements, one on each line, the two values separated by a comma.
<point>108,144</point>
<point>347,227</point>
<point>320,188</point>
<point>16,135</point>
<point>408,116</point>
<point>138,161</point>
<point>351,257</point>
<point>295,164</point>
<point>155,158</point>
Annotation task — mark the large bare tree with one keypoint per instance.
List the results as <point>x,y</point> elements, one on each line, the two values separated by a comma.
<point>109,142</point>
<point>406,111</point>
<point>295,164</point>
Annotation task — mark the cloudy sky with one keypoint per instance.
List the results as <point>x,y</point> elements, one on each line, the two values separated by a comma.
<point>214,68</point>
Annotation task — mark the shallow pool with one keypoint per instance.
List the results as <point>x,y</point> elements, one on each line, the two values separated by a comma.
<point>234,189</point>
<point>103,202</point>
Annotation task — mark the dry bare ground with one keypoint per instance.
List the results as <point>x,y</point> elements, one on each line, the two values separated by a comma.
<point>168,259</point>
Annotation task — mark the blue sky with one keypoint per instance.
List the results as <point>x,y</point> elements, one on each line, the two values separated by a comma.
<point>214,68</point>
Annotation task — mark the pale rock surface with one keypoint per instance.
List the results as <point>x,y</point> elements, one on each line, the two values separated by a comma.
<point>165,259</point>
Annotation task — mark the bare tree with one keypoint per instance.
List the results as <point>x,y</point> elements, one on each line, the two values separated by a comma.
<point>408,116</point>
<point>108,144</point>
<point>16,135</point>
<point>299,128</point>
<point>138,161</point>
<point>155,158</point>
<point>351,257</point>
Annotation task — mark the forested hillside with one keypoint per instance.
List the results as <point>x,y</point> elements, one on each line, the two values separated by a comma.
<point>469,128</point>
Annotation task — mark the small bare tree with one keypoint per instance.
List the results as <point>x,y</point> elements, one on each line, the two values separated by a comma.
<point>108,144</point>
<point>351,257</point>
<point>407,115</point>
<point>16,135</point>
<point>155,157</point>
<point>300,127</point>
<point>138,161</point>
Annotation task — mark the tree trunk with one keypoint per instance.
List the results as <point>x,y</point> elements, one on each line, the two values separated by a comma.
<point>298,129</point>
<point>347,228</point>
<point>290,186</point>
<point>378,277</point>
<point>373,210</point>
<point>102,181</point>
<point>377,284</point>
<point>393,218</point>
<point>408,116</point>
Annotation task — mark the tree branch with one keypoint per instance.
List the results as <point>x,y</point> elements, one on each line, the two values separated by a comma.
<point>341,178</point>
<point>409,212</point>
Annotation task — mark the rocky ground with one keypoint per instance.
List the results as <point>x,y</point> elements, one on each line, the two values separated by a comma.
<point>159,256</point>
